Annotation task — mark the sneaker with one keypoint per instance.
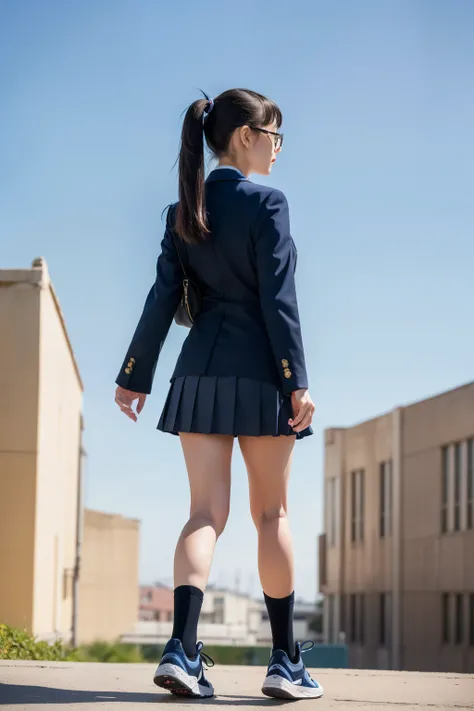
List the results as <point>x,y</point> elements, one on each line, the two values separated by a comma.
<point>290,680</point>
<point>180,674</point>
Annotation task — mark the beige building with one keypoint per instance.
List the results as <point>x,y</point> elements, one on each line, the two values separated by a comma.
<point>40,479</point>
<point>108,581</point>
<point>397,555</point>
<point>40,451</point>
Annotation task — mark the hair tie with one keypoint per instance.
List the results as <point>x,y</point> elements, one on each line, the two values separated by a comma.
<point>209,106</point>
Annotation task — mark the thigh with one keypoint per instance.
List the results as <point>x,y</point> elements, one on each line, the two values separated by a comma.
<point>208,462</point>
<point>268,462</point>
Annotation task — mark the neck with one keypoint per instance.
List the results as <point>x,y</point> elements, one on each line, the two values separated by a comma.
<point>227,163</point>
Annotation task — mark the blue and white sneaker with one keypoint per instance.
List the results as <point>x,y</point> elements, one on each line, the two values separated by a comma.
<point>290,680</point>
<point>181,675</point>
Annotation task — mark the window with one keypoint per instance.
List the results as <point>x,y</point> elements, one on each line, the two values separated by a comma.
<point>382,630</point>
<point>68,583</point>
<point>218,617</point>
<point>444,488</point>
<point>361,504</point>
<point>361,600</point>
<point>470,483</point>
<point>331,508</point>
<point>352,616</point>
<point>471,620</point>
<point>385,619</point>
<point>457,485</point>
<point>445,618</point>
<point>458,637</point>
<point>357,505</point>
<point>331,619</point>
<point>357,618</point>
<point>386,498</point>
<point>353,506</point>
<point>342,618</point>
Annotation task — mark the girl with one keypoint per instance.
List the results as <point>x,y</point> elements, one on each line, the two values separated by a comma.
<point>241,372</point>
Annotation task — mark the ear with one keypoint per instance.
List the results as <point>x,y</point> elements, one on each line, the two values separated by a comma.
<point>246,136</point>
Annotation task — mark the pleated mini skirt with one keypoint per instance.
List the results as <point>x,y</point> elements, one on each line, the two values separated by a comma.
<point>227,405</point>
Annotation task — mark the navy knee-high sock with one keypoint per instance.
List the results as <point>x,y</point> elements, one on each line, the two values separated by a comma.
<point>187,608</point>
<point>280,612</point>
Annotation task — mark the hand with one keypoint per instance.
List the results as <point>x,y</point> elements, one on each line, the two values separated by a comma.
<point>125,399</point>
<point>303,410</point>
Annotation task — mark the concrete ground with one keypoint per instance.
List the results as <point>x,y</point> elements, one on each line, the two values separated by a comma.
<point>58,686</point>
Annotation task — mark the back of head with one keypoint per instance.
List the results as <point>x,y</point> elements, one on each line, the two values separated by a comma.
<point>216,119</point>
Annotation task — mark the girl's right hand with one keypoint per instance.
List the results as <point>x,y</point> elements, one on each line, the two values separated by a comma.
<point>126,398</point>
<point>303,410</point>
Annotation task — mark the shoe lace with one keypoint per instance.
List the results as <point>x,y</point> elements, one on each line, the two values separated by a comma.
<point>205,658</point>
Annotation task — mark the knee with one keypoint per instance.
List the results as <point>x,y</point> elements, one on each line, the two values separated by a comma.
<point>214,518</point>
<point>268,515</point>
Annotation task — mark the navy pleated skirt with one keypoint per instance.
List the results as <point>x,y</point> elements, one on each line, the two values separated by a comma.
<point>227,405</point>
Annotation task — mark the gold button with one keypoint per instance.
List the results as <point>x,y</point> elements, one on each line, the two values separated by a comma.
<point>132,360</point>
<point>128,371</point>
<point>130,364</point>
<point>287,373</point>
<point>284,363</point>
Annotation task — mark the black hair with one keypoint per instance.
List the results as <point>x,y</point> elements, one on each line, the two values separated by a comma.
<point>228,111</point>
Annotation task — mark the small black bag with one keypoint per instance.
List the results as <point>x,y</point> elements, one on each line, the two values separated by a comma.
<point>190,304</point>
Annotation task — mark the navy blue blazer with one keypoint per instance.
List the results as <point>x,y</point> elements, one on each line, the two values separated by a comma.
<point>249,324</point>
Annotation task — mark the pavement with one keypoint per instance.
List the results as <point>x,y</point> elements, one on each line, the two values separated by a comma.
<point>71,686</point>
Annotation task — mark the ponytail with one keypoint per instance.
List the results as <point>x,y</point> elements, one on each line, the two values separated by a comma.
<point>191,218</point>
<point>226,113</point>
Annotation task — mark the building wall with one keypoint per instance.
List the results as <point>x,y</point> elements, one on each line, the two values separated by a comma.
<point>108,583</point>
<point>40,412</point>
<point>416,563</point>
<point>40,447</point>
<point>19,387</point>
<point>434,563</point>
<point>356,567</point>
<point>368,561</point>
<point>59,444</point>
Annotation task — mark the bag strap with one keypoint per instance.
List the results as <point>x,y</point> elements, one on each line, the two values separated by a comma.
<point>175,242</point>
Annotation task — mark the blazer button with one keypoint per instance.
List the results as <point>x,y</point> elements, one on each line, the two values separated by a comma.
<point>284,363</point>
<point>287,373</point>
<point>128,371</point>
<point>130,364</point>
<point>132,361</point>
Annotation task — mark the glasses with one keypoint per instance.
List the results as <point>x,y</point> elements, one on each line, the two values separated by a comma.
<point>277,137</point>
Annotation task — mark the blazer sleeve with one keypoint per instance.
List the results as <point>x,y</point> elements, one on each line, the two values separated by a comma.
<point>138,368</point>
<point>276,263</point>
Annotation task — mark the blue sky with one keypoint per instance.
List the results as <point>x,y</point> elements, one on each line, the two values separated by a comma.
<point>378,170</point>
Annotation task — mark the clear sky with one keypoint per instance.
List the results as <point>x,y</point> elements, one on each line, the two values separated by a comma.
<point>378,168</point>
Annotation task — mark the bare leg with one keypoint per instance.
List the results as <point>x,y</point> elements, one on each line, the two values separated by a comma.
<point>208,461</point>
<point>268,462</point>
